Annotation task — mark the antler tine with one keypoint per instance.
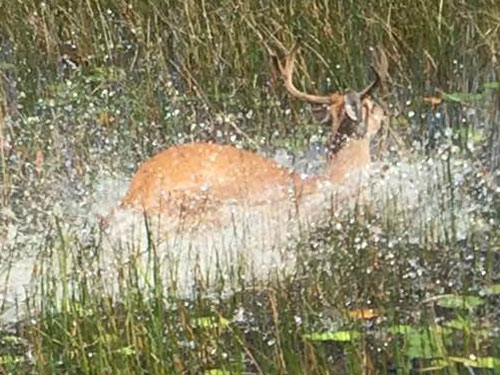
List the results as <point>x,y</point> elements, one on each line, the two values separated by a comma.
<point>372,85</point>
<point>287,74</point>
<point>290,58</point>
<point>380,67</point>
<point>277,65</point>
<point>381,63</point>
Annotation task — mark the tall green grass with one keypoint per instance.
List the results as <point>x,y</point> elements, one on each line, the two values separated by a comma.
<point>204,42</point>
<point>92,88</point>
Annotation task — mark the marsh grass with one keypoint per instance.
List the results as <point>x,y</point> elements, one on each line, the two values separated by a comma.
<point>363,299</point>
<point>93,88</point>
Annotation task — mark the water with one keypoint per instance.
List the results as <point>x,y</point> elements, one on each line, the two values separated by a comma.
<point>254,241</point>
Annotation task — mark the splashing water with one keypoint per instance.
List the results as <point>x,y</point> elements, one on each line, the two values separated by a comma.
<point>253,242</point>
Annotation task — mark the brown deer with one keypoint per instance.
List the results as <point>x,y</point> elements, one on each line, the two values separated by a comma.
<point>194,179</point>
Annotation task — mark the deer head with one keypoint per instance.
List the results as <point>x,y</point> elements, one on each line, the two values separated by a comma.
<point>349,113</point>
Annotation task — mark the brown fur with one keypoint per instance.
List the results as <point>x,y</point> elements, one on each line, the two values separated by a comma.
<point>196,178</point>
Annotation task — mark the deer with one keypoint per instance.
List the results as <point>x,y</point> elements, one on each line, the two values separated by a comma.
<point>193,179</point>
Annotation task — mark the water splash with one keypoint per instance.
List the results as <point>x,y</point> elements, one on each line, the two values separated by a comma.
<point>255,241</point>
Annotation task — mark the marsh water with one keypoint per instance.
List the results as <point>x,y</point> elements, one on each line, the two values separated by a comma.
<point>258,240</point>
<point>396,272</point>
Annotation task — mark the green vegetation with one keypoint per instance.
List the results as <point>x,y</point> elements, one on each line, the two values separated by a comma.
<point>404,281</point>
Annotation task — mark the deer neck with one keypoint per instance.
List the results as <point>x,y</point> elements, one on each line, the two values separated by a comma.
<point>353,156</point>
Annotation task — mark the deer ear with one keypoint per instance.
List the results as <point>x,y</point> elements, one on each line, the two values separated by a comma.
<point>352,106</point>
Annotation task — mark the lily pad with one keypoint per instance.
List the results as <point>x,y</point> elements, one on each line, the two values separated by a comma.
<point>494,289</point>
<point>216,371</point>
<point>339,336</point>
<point>401,329</point>
<point>460,302</point>
<point>492,85</point>
<point>482,362</point>
<point>211,322</point>
<point>363,314</point>
<point>456,324</point>
<point>462,97</point>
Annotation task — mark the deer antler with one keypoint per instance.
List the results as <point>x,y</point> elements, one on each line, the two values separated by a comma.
<point>380,67</point>
<point>371,86</point>
<point>287,75</point>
